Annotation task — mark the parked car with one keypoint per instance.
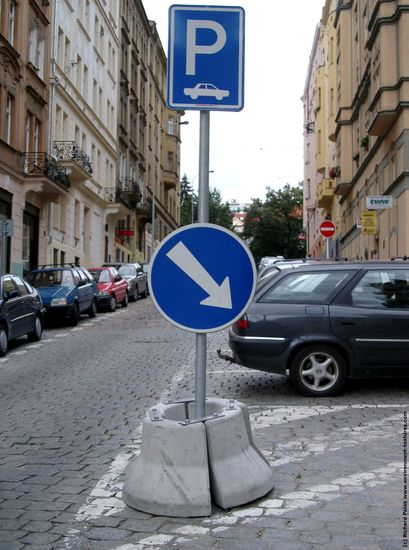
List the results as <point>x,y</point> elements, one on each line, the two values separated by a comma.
<point>21,311</point>
<point>112,288</point>
<point>145,269</point>
<point>268,260</point>
<point>327,322</point>
<point>66,291</point>
<point>135,277</point>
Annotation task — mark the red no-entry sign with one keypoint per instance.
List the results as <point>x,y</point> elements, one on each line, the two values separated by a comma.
<point>327,228</point>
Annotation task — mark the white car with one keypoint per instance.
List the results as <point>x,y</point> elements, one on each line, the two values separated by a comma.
<point>208,90</point>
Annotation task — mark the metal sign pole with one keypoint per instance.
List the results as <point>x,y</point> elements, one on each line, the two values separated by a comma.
<point>203,217</point>
<point>3,246</point>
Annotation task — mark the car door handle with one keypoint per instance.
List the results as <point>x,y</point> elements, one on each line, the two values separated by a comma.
<point>348,323</point>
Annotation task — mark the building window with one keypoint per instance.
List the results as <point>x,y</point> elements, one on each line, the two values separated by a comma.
<point>9,117</point>
<point>12,22</point>
<point>36,44</point>
<point>171,125</point>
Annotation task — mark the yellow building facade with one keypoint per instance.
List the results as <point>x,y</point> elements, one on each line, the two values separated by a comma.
<point>370,130</point>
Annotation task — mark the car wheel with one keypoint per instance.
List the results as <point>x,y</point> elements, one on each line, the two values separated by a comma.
<point>112,303</point>
<point>4,341</point>
<point>124,302</point>
<point>134,296</point>
<point>74,316</point>
<point>318,371</point>
<point>35,336</point>
<point>144,293</point>
<point>92,312</point>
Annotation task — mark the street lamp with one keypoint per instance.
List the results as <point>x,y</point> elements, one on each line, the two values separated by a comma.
<point>155,175</point>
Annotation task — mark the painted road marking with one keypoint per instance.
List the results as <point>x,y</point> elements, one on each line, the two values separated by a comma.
<point>106,499</point>
<point>313,496</point>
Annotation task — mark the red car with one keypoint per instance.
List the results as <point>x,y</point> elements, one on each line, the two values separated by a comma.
<point>112,288</point>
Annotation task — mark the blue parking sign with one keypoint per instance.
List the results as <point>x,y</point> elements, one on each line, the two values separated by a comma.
<point>206,58</point>
<point>202,277</point>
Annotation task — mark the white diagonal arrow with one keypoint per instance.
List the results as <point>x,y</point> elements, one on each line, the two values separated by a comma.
<point>219,296</point>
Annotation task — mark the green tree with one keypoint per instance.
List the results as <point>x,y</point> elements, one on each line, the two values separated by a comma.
<point>219,212</point>
<point>272,227</point>
<point>186,198</point>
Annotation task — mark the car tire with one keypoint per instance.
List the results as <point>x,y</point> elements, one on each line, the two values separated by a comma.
<point>4,342</point>
<point>144,293</point>
<point>134,296</point>
<point>318,371</point>
<point>35,335</point>
<point>124,302</point>
<point>92,312</point>
<point>112,304</point>
<point>74,315</point>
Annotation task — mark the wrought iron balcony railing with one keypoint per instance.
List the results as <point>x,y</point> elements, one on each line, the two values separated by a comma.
<point>114,194</point>
<point>69,150</point>
<point>42,164</point>
<point>130,186</point>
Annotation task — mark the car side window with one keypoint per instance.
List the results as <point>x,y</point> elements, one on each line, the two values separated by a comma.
<point>8,286</point>
<point>23,290</point>
<point>316,287</point>
<point>76,276</point>
<point>382,289</point>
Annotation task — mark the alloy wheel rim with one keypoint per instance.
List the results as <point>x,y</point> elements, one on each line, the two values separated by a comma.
<point>319,371</point>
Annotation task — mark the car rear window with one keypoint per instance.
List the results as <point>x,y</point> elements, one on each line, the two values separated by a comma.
<point>314,287</point>
<point>128,270</point>
<point>52,278</point>
<point>101,275</point>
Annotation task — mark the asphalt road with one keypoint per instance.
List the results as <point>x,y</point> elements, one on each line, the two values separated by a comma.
<point>71,412</point>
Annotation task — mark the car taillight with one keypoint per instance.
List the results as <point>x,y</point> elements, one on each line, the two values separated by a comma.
<point>242,323</point>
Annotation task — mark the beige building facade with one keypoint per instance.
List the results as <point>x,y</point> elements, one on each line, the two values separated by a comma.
<point>371,134</point>
<point>88,149</point>
<point>31,179</point>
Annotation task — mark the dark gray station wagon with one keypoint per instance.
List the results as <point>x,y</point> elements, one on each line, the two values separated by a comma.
<point>323,323</point>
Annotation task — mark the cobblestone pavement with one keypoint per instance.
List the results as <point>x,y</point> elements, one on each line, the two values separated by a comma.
<point>72,407</point>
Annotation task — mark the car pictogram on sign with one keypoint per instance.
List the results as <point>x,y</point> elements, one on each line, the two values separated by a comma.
<point>207,90</point>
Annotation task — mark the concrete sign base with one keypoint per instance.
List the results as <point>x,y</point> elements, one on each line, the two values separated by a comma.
<point>184,461</point>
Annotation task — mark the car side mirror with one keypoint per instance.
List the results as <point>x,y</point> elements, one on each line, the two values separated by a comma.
<point>11,294</point>
<point>81,282</point>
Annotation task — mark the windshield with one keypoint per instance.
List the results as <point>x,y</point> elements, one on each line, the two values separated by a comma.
<point>61,277</point>
<point>101,276</point>
<point>126,270</point>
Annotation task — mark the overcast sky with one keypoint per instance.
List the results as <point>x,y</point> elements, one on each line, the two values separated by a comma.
<point>262,145</point>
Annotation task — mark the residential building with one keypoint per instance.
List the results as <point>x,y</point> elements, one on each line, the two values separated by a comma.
<point>29,177</point>
<point>320,157</point>
<point>83,124</point>
<point>373,124</point>
<point>163,159</point>
<point>371,135</point>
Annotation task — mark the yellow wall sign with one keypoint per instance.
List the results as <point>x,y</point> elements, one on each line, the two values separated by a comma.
<point>368,218</point>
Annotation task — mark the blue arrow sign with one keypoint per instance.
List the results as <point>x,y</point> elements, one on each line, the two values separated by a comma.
<point>206,58</point>
<point>202,277</point>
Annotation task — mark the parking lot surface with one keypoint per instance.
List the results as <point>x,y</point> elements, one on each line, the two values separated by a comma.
<point>72,407</point>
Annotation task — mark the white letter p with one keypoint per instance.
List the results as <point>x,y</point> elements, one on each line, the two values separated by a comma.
<point>193,49</point>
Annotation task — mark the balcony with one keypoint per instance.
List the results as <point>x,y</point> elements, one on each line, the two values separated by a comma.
<point>44,174</point>
<point>131,188</point>
<point>144,211</point>
<point>114,195</point>
<point>73,158</point>
<point>343,188</point>
<point>381,121</point>
<point>325,193</point>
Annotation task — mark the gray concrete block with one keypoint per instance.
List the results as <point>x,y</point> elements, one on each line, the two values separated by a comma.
<point>238,471</point>
<point>170,477</point>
